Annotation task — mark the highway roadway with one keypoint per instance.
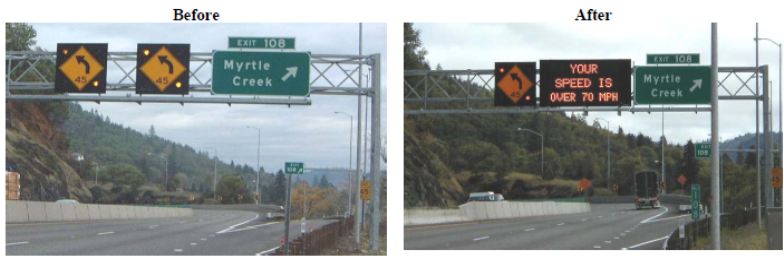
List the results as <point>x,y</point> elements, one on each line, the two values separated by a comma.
<point>208,232</point>
<point>606,227</point>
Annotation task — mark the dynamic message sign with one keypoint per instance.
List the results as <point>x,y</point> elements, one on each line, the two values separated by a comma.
<point>673,58</point>
<point>81,68</point>
<point>163,68</point>
<point>514,84</point>
<point>261,43</point>
<point>585,82</point>
<point>261,73</point>
<point>672,85</point>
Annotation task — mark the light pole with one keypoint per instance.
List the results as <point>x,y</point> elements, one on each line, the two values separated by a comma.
<point>166,173</point>
<point>96,172</point>
<point>215,175</point>
<point>608,150</point>
<point>540,136</point>
<point>258,167</point>
<point>350,147</point>
<point>780,111</point>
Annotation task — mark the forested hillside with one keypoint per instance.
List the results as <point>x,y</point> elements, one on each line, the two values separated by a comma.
<point>448,156</point>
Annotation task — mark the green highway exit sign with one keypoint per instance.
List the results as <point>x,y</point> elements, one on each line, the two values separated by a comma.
<point>295,168</point>
<point>673,58</point>
<point>702,150</point>
<point>672,85</point>
<point>262,43</point>
<point>261,73</point>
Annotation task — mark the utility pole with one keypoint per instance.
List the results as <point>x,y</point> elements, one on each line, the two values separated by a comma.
<point>715,218</point>
<point>542,139</point>
<point>215,176</point>
<point>166,174</point>
<point>663,146</point>
<point>350,149</point>
<point>359,173</point>
<point>258,172</point>
<point>608,150</point>
<point>96,173</point>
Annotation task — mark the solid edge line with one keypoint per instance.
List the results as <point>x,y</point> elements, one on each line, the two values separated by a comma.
<point>232,227</point>
<point>17,243</point>
<point>268,251</point>
<point>106,233</point>
<point>651,218</point>
<point>648,242</point>
<point>481,238</point>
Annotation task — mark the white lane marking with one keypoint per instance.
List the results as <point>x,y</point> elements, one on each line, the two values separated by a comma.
<point>669,218</point>
<point>250,227</point>
<point>561,224</point>
<point>647,242</point>
<point>153,226</point>
<point>106,233</point>
<point>623,234</point>
<point>530,229</point>
<point>651,218</point>
<point>583,220</point>
<point>478,238</point>
<point>193,243</point>
<point>212,235</point>
<point>608,242</point>
<point>72,236</point>
<point>178,250</point>
<point>203,239</point>
<point>627,231</point>
<point>597,247</point>
<point>267,251</point>
<point>17,243</point>
<point>616,238</point>
<point>601,217</point>
<point>613,214</point>
<point>239,224</point>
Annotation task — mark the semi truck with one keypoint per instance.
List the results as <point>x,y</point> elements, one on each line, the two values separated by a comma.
<point>646,189</point>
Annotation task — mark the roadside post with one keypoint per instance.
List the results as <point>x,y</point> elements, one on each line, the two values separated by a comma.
<point>291,168</point>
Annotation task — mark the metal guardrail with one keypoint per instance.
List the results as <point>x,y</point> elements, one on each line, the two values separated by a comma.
<point>312,243</point>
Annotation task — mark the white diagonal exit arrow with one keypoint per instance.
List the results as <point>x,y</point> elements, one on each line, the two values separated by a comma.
<point>697,84</point>
<point>292,73</point>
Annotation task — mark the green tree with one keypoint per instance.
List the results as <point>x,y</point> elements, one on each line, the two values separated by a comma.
<point>324,183</point>
<point>413,51</point>
<point>232,189</point>
<point>19,36</point>
<point>124,174</point>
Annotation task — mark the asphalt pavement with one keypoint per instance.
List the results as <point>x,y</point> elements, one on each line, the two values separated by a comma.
<point>208,232</point>
<point>606,227</point>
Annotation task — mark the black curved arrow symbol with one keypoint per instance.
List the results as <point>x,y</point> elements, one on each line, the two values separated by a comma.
<point>164,59</point>
<point>80,60</point>
<point>515,78</point>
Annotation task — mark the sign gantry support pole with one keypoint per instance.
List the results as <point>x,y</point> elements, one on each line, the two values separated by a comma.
<point>715,218</point>
<point>376,148</point>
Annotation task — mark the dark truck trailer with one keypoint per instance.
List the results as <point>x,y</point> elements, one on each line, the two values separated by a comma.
<point>646,189</point>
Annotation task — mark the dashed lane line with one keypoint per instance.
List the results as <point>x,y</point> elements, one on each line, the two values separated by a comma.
<point>561,224</point>
<point>17,243</point>
<point>481,238</point>
<point>530,229</point>
<point>106,233</point>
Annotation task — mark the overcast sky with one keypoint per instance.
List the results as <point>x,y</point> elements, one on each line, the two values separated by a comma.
<point>478,46</point>
<point>311,134</point>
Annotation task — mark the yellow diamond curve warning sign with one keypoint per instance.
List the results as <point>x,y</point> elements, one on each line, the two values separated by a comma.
<point>81,68</point>
<point>515,83</point>
<point>163,69</point>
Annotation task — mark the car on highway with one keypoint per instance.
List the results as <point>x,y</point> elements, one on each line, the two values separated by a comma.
<point>485,197</point>
<point>67,201</point>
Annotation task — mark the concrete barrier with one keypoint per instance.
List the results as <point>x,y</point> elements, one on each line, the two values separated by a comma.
<point>773,225</point>
<point>94,211</point>
<point>478,211</point>
<point>31,211</point>
<point>69,212</point>
<point>36,211</point>
<point>82,212</point>
<point>16,212</point>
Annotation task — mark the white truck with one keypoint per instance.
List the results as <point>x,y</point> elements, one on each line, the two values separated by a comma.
<point>485,197</point>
